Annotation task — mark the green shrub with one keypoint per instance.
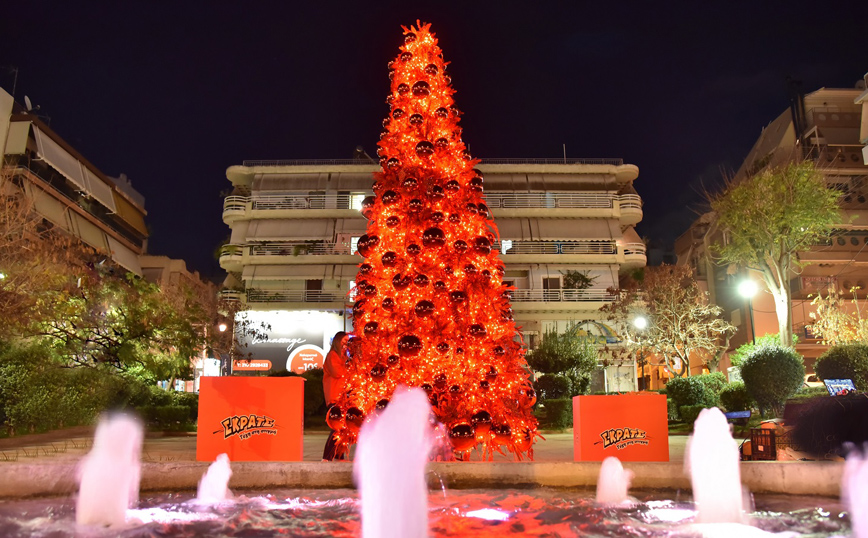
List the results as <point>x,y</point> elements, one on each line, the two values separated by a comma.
<point>189,400</point>
<point>672,413</point>
<point>166,417</point>
<point>552,387</point>
<point>738,356</point>
<point>558,414</point>
<point>845,361</point>
<point>735,397</point>
<point>714,382</point>
<point>808,393</point>
<point>772,374</point>
<point>689,391</point>
<point>689,413</point>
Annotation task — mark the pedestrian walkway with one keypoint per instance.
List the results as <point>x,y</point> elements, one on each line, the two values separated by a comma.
<point>56,447</point>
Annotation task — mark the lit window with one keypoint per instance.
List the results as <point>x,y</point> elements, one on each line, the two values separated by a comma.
<point>354,245</point>
<point>356,201</point>
<point>505,245</point>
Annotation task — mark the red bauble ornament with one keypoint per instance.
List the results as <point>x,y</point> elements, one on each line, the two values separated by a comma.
<point>359,307</point>
<point>502,433</point>
<point>415,206</point>
<point>441,113</point>
<point>462,436</point>
<point>527,397</point>
<point>424,308</point>
<point>476,184</point>
<point>392,221</point>
<point>398,113</point>
<point>440,382</point>
<point>414,249</point>
<point>442,347</point>
<point>430,69</point>
<point>371,328</point>
<point>403,89</point>
<point>460,246</point>
<point>491,373</point>
<point>436,217</point>
<point>409,345</point>
<point>437,193</point>
<point>481,245</point>
<point>390,197</point>
<point>481,422</point>
<point>400,282</point>
<point>392,360</point>
<point>410,183</point>
<point>378,372</point>
<point>388,303</point>
<point>382,404</point>
<point>421,89</point>
<point>421,281</point>
<point>457,297</point>
<point>452,185</point>
<point>416,119</point>
<point>433,238</point>
<point>365,268</point>
<point>471,208</point>
<point>454,218</point>
<point>389,259</point>
<point>441,143</point>
<point>439,286</point>
<point>370,290</point>
<point>354,419</point>
<point>335,418</point>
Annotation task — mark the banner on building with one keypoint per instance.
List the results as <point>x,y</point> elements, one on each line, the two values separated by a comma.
<point>631,427</point>
<point>251,418</point>
<point>294,341</point>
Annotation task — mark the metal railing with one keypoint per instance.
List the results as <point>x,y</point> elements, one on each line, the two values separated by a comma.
<point>297,248</point>
<point>231,250</point>
<point>235,203</point>
<point>516,296</point>
<point>558,247</point>
<point>545,296</point>
<point>637,249</point>
<point>265,202</point>
<point>295,296</point>
<point>327,162</point>
<point>630,201</point>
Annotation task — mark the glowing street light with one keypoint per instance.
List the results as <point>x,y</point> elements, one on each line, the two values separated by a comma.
<point>747,288</point>
<point>222,327</point>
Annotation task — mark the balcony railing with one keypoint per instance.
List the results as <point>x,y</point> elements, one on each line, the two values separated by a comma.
<point>295,296</point>
<point>637,249</point>
<point>572,296</point>
<point>517,296</point>
<point>327,162</point>
<point>557,247</point>
<point>265,202</point>
<point>231,250</point>
<point>296,248</point>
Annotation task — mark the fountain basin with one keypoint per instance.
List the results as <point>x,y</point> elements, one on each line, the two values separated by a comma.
<point>21,480</point>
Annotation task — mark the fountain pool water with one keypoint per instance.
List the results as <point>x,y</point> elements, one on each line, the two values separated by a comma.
<point>854,485</point>
<point>461,513</point>
<point>109,474</point>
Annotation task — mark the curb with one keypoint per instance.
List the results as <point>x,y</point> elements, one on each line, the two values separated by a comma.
<point>794,478</point>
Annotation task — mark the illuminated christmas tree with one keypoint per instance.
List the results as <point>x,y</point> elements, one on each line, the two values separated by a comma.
<point>431,309</point>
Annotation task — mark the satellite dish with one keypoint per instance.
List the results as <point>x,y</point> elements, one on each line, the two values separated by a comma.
<point>29,104</point>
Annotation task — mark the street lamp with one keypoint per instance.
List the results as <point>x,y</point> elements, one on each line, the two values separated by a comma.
<point>641,323</point>
<point>747,288</point>
<point>222,327</point>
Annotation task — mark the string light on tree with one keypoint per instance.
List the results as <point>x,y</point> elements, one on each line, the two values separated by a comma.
<point>431,309</point>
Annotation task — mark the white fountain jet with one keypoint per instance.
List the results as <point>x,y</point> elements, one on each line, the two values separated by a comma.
<point>613,483</point>
<point>713,464</point>
<point>109,474</point>
<point>214,485</point>
<point>854,490</point>
<point>390,465</point>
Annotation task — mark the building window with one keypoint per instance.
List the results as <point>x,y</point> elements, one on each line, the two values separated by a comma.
<point>552,283</point>
<point>356,200</point>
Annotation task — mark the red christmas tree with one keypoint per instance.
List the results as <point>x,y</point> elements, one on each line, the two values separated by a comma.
<point>431,308</point>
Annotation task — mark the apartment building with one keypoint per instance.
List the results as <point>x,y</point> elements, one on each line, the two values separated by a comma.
<point>830,128</point>
<point>291,253</point>
<point>67,190</point>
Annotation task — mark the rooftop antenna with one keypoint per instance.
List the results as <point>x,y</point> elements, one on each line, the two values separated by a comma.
<point>14,70</point>
<point>565,154</point>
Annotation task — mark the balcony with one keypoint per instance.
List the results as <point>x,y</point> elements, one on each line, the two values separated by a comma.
<point>231,296</point>
<point>529,251</point>
<point>234,207</point>
<point>634,255</point>
<point>557,296</point>
<point>231,257</point>
<point>591,204</point>
<point>332,299</point>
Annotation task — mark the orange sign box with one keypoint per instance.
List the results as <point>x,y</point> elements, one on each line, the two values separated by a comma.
<point>251,418</point>
<point>631,427</point>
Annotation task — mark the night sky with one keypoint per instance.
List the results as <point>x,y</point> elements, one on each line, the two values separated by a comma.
<point>172,93</point>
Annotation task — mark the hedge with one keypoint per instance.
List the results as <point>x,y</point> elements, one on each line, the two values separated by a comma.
<point>846,361</point>
<point>735,397</point>
<point>558,414</point>
<point>772,374</point>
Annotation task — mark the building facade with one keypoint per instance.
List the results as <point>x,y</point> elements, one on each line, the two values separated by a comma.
<point>294,226</point>
<point>830,128</point>
<point>67,190</point>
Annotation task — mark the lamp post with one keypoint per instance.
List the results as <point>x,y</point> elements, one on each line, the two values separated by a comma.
<point>747,288</point>
<point>641,323</point>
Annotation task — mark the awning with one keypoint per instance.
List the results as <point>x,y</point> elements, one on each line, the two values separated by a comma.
<point>16,142</point>
<point>100,190</point>
<point>129,213</point>
<point>48,206</point>
<point>558,229</point>
<point>347,181</point>
<point>290,229</point>
<point>355,227</point>
<point>283,272</point>
<point>60,159</point>
<point>89,232</point>
<point>124,256</point>
<point>283,182</point>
